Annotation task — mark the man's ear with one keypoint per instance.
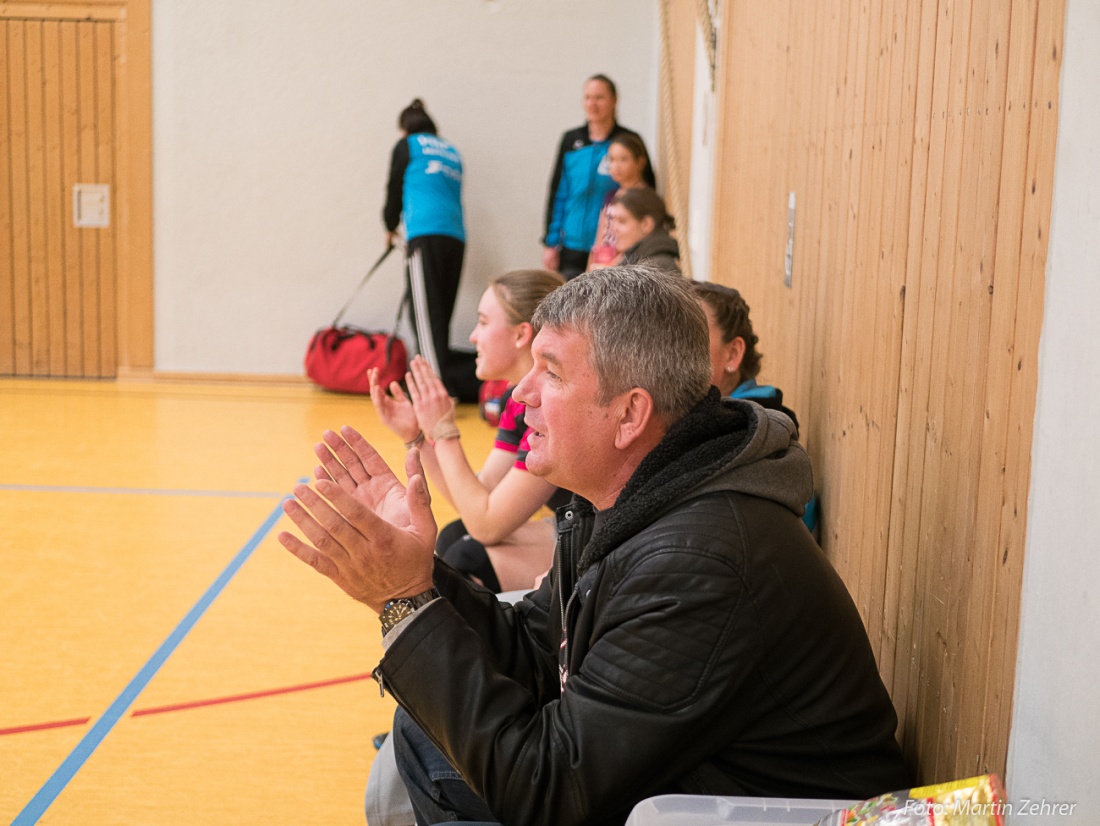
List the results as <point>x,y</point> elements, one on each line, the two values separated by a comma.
<point>635,418</point>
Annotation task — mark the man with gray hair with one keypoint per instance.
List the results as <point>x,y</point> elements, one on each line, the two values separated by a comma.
<point>691,638</point>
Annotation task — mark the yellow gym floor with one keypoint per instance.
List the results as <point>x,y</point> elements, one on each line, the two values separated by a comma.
<point>163,660</point>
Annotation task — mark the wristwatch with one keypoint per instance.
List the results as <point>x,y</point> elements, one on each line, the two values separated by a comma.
<point>403,607</point>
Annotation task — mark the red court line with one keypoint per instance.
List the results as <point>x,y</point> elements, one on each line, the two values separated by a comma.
<point>79,721</point>
<point>253,695</point>
<point>236,698</point>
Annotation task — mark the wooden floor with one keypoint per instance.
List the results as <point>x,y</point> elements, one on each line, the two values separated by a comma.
<point>163,660</point>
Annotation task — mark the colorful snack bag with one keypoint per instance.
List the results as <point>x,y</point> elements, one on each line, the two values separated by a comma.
<point>977,801</point>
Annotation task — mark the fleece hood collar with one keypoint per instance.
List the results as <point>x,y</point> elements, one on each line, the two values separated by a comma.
<point>722,444</point>
<point>658,242</point>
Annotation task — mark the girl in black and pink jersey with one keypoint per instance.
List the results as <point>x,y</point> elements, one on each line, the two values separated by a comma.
<point>494,541</point>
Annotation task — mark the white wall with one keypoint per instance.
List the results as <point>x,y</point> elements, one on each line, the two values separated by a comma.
<point>1055,742</point>
<point>273,124</point>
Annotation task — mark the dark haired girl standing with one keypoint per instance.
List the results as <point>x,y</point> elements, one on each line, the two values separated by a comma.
<point>425,193</point>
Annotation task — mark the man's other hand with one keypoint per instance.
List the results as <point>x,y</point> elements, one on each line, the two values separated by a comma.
<point>368,533</point>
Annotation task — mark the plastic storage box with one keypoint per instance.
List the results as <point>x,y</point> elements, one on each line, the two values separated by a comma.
<point>701,810</point>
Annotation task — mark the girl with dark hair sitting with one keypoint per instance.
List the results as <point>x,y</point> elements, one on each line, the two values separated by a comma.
<point>641,224</point>
<point>735,361</point>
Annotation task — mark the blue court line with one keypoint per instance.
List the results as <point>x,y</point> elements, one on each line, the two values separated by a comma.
<point>88,744</point>
<point>241,494</point>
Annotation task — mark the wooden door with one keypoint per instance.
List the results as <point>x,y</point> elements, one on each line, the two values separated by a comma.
<point>67,298</point>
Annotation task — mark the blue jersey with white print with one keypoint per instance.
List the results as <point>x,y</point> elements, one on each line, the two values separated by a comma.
<point>432,188</point>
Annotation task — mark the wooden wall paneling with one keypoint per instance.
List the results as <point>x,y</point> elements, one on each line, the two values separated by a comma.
<point>913,125</point>
<point>852,453</point>
<point>20,208</point>
<point>105,152</point>
<point>89,238</point>
<point>70,155</point>
<point>960,449</point>
<point>134,173</point>
<point>827,277</point>
<point>1038,191</point>
<point>774,294</point>
<point>852,333</point>
<point>939,539</point>
<point>967,368</point>
<point>54,192</point>
<point>7,250</point>
<point>845,553</point>
<point>807,233</point>
<point>767,199</point>
<point>961,729</point>
<point>778,309</point>
<point>782,311</point>
<point>888,261</point>
<point>845,459</point>
<point>875,404</point>
<point>916,367</point>
<point>36,197</point>
<point>868,329</point>
<point>1019,47</point>
<point>817,50</point>
<point>815,429</point>
<point>878,400</point>
<point>828,455</point>
<point>823,438</point>
<point>769,289</point>
<point>809,239</point>
<point>1016,48</point>
<point>751,100</point>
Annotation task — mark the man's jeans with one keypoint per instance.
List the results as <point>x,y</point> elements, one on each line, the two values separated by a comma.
<point>438,792</point>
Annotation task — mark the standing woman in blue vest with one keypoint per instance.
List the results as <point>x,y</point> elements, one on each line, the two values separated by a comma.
<point>582,180</point>
<point>425,192</point>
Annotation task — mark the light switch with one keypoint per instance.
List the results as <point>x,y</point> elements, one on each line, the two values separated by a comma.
<point>91,205</point>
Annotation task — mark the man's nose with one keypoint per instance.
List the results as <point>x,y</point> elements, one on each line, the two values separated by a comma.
<point>524,392</point>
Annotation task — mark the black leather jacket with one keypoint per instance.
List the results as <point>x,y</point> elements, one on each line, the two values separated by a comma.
<point>705,646</point>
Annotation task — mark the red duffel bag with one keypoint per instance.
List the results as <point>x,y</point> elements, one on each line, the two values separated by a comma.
<point>339,358</point>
